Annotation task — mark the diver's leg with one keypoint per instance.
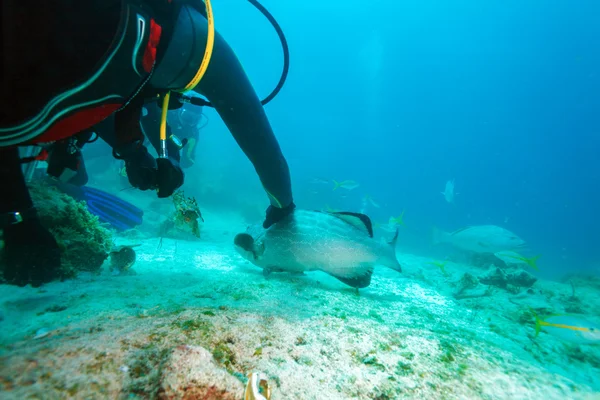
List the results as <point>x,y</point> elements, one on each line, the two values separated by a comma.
<point>30,254</point>
<point>228,88</point>
<point>15,196</point>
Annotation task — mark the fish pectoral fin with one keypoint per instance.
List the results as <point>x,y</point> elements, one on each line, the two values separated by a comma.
<point>360,278</point>
<point>357,282</point>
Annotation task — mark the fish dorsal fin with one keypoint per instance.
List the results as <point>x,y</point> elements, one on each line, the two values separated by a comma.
<point>360,221</point>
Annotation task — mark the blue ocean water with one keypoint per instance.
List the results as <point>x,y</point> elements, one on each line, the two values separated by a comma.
<point>401,96</point>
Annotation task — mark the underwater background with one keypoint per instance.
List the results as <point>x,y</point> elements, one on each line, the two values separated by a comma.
<point>392,100</point>
<point>402,96</point>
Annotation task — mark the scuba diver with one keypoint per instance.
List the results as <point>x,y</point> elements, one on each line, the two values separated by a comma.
<point>61,77</point>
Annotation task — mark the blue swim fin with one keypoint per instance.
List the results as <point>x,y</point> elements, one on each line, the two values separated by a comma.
<point>109,208</point>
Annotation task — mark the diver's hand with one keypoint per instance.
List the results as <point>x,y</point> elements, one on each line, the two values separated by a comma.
<point>140,167</point>
<point>31,254</point>
<point>276,214</point>
<point>169,176</point>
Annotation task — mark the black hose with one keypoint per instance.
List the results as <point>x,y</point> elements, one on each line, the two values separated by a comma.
<point>286,63</point>
<point>286,50</point>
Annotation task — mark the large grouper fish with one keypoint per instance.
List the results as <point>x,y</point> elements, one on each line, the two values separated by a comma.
<point>340,244</point>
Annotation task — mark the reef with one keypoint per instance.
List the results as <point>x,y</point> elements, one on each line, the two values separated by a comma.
<point>83,242</point>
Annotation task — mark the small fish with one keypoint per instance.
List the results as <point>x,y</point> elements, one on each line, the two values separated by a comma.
<point>441,265</point>
<point>368,200</point>
<point>448,192</point>
<point>480,239</point>
<point>399,220</point>
<point>339,244</point>
<point>348,185</point>
<point>122,258</point>
<point>320,181</point>
<point>569,327</point>
<point>512,257</point>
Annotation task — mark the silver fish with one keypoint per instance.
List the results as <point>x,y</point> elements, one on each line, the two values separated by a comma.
<point>480,239</point>
<point>448,192</point>
<point>339,244</point>
<point>348,185</point>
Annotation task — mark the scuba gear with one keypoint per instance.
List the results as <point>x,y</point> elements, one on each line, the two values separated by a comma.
<point>109,208</point>
<point>178,142</point>
<point>65,162</point>
<point>185,26</point>
<point>190,117</point>
<point>63,107</point>
<point>286,64</point>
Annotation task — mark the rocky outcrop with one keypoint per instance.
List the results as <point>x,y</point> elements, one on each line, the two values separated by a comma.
<point>507,280</point>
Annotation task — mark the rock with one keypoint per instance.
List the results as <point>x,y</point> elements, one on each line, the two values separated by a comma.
<point>192,373</point>
<point>510,281</point>
<point>494,277</point>
<point>480,291</point>
<point>468,281</point>
<point>521,279</point>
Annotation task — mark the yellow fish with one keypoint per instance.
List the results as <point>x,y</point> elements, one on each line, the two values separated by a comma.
<point>349,185</point>
<point>569,327</point>
<point>512,257</point>
<point>399,220</point>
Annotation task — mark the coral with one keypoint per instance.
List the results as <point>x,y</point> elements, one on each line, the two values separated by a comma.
<point>83,242</point>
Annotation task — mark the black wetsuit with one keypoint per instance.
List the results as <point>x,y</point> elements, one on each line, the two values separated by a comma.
<point>64,69</point>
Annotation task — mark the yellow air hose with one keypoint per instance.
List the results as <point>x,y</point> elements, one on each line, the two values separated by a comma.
<point>210,42</point>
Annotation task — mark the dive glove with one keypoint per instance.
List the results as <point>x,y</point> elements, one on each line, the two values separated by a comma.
<point>144,172</point>
<point>276,214</point>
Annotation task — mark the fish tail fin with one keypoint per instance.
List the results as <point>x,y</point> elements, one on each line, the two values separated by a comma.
<point>394,239</point>
<point>391,261</point>
<point>336,184</point>
<point>538,325</point>
<point>532,262</point>
<point>399,220</point>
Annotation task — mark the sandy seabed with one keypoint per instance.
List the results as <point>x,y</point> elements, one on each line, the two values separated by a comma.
<point>196,319</point>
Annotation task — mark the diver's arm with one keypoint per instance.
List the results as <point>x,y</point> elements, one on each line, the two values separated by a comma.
<point>227,87</point>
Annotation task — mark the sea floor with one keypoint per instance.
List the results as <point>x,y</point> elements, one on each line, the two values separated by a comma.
<point>196,315</point>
